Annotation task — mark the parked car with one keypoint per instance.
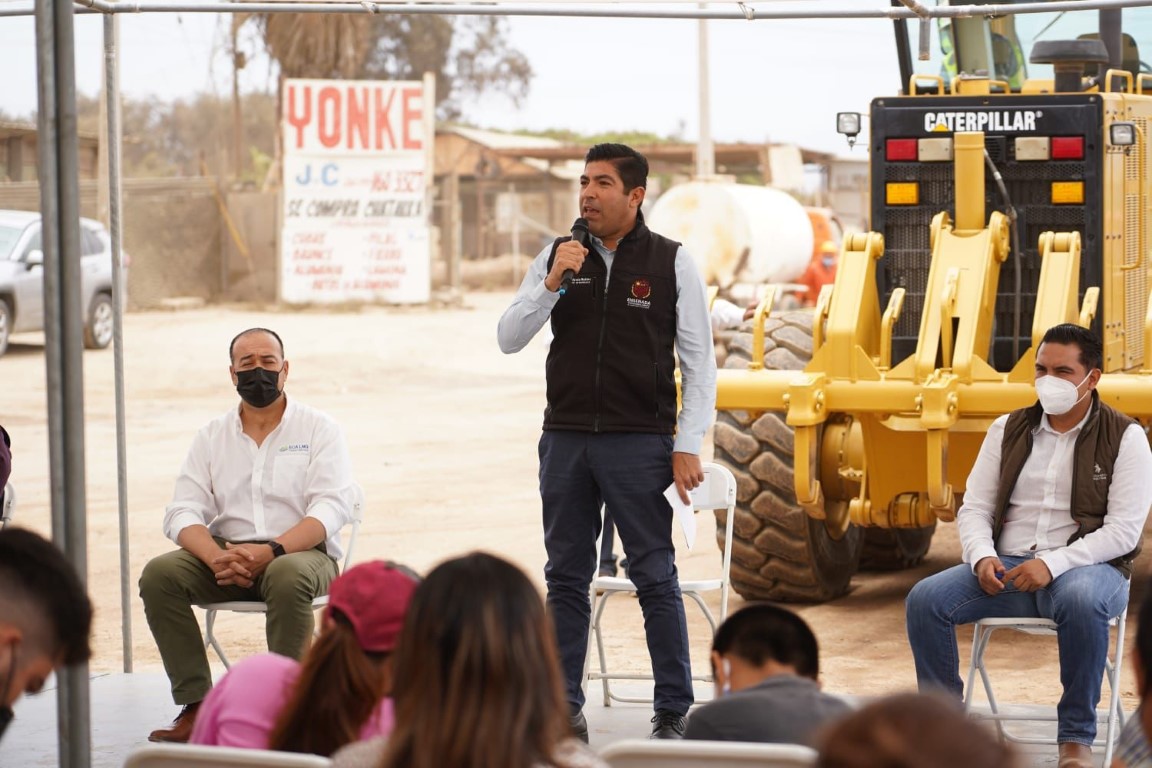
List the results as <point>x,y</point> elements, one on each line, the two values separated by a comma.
<point>22,278</point>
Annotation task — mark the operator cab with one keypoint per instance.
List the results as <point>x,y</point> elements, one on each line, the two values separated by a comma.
<point>1065,146</point>
<point>1003,47</point>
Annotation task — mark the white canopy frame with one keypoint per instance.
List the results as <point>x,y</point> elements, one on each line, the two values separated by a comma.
<point>734,10</point>
<point>60,210</point>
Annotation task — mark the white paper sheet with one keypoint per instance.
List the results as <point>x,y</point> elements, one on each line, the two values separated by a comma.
<point>684,513</point>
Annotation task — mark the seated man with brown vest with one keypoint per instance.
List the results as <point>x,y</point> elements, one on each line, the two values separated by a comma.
<point>1051,522</point>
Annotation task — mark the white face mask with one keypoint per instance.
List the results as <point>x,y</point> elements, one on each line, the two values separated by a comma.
<point>1058,396</point>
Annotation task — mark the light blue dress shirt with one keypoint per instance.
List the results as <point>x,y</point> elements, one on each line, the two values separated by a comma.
<point>533,305</point>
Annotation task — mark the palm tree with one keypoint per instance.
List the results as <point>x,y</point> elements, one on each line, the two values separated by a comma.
<point>322,45</point>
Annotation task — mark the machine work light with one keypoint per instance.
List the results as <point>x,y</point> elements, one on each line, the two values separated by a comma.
<point>1122,134</point>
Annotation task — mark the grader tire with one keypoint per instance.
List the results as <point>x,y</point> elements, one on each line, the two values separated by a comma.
<point>778,552</point>
<point>895,549</point>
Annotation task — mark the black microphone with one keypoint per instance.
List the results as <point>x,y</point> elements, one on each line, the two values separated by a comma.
<point>579,235</point>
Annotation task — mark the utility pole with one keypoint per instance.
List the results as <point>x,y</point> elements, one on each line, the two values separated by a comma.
<point>705,152</point>
<point>238,62</point>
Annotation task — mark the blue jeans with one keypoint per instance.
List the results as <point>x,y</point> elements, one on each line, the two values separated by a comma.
<point>579,472</point>
<point>1081,601</point>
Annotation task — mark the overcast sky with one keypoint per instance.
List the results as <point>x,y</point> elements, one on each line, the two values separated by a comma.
<point>781,81</point>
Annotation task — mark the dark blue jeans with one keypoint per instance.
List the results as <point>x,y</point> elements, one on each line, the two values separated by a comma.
<point>1081,601</point>
<point>580,472</point>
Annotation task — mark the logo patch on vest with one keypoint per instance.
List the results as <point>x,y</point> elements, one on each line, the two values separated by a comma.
<point>641,292</point>
<point>1098,474</point>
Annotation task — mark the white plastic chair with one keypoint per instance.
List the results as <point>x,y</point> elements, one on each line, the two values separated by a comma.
<point>7,505</point>
<point>257,606</point>
<point>196,756</point>
<point>718,491</point>
<point>651,753</point>
<point>982,636</point>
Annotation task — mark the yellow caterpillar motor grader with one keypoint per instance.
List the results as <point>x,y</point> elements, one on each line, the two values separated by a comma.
<point>1010,193</point>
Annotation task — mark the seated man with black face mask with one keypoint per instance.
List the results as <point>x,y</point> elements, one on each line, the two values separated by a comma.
<point>257,513</point>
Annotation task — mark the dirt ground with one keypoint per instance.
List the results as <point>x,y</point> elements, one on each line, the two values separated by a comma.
<point>443,431</point>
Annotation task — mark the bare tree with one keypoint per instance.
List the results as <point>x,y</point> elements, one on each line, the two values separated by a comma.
<point>470,56</point>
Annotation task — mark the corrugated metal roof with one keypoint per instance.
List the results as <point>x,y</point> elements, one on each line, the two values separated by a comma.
<point>510,142</point>
<point>498,140</point>
<point>17,125</point>
<point>21,127</point>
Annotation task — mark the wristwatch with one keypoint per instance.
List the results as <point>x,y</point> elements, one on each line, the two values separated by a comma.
<point>277,549</point>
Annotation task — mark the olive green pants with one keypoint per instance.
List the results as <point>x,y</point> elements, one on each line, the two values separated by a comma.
<point>172,583</point>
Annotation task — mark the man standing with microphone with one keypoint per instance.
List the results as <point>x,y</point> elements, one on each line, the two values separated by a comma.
<point>612,434</point>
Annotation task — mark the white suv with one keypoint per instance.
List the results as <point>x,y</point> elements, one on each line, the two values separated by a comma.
<point>22,278</point>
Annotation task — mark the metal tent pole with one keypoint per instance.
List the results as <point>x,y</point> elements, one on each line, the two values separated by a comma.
<point>112,95</point>
<point>735,10</point>
<point>63,330</point>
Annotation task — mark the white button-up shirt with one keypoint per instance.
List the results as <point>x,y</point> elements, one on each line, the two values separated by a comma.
<point>245,492</point>
<point>1039,518</point>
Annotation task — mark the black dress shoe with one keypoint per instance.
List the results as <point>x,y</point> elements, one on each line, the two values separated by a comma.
<point>666,724</point>
<point>579,726</point>
<point>180,730</point>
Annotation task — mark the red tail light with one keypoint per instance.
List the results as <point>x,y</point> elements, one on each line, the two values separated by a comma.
<point>1067,147</point>
<point>896,150</point>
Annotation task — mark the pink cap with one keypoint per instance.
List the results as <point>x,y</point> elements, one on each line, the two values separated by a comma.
<point>374,597</point>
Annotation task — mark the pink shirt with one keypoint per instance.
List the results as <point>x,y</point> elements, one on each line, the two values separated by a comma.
<point>241,709</point>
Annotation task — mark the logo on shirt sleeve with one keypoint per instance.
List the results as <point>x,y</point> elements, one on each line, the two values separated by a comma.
<point>641,292</point>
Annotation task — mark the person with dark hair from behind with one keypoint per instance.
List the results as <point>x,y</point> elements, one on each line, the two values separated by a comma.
<point>476,681</point>
<point>1051,523</point>
<point>337,694</point>
<point>766,665</point>
<point>1133,749</point>
<point>45,616</point>
<point>912,731</point>
<point>257,512</point>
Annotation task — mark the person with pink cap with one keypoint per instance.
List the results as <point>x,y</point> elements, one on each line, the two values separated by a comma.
<point>337,694</point>
<point>477,679</point>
